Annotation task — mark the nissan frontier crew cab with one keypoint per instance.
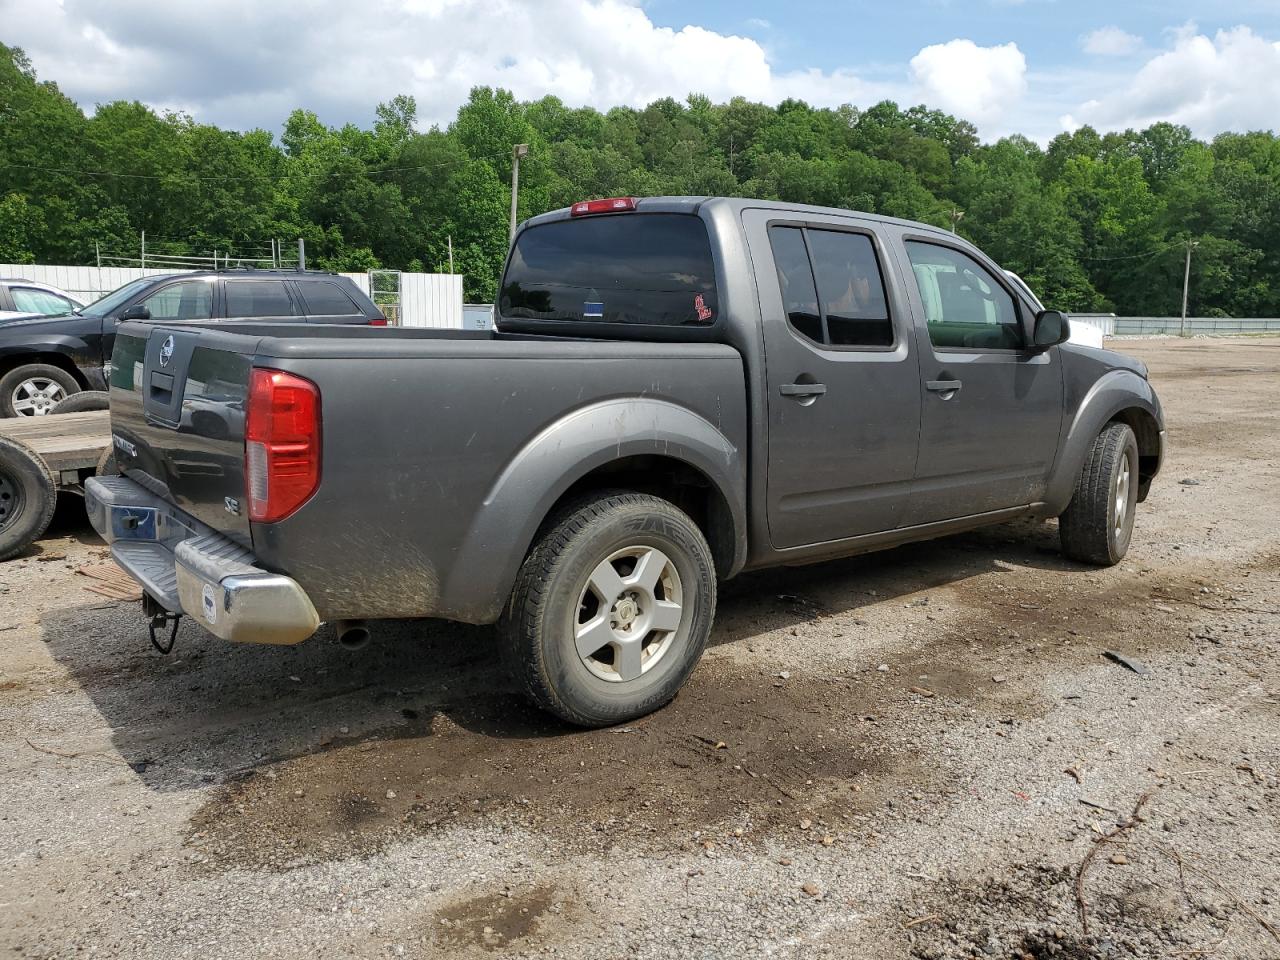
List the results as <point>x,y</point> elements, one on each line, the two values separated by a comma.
<point>677,389</point>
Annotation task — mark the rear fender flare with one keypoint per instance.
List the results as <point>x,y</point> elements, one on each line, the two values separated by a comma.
<point>1113,392</point>
<point>557,457</point>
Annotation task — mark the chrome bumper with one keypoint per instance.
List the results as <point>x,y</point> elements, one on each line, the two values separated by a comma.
<point>190,568</point>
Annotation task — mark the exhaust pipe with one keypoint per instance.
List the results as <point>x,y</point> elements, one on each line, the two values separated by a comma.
<point>352,634</point>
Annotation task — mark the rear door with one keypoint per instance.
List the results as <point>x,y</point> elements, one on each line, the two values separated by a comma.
<point>991,408</point>
<point>842,378</point>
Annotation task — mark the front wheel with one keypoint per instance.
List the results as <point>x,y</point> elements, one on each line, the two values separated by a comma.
<point>1097,525</point>
<point>611,609</point>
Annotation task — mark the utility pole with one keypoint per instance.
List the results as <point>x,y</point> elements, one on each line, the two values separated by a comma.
<point>97,252</point>
<point>1186,286</point>
<point>302,254</point>
<point>144,249</point>
<point>518,151</point>
<point>956,217</point>
<point>450,239</point>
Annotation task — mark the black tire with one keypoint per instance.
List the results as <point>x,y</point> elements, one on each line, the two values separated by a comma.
<point>83,401</point>
<point>28,495</point>
<point>107,466</point>
<point>546,609</point>
<point>1088,527</point>
<point>16,377</point>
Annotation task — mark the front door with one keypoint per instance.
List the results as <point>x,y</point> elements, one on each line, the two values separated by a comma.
<point>991,409</point>
<point>841,376</point>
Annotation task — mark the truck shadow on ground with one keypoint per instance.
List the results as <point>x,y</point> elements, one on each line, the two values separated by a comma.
<point>213,712</point>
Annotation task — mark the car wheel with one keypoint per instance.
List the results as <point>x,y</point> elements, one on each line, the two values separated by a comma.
<point>34,389</point>
<point>611,609</point>
<point>84,401</point>
<point>1097,525</point>
<point>27,497</point>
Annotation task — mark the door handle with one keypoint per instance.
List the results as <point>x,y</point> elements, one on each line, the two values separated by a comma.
<point>946,387</point>
<point>802,389</point>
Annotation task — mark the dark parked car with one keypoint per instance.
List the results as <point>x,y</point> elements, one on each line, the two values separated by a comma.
<point>678,389</point>
<point>44,359</point>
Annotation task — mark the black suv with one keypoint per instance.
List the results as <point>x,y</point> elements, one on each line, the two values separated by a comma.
<point>44,359</point>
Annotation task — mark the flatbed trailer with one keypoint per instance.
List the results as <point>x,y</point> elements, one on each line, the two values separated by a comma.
<point>41,457</point>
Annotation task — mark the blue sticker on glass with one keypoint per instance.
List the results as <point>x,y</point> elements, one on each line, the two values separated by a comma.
<point>593,309</point>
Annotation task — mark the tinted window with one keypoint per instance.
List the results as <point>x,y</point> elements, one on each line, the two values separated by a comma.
<point>795,281</point>
<point>29,300</point>
<point>850,289</point>
<point>258,298</point>
<point>324,299</point>
<point>964,306</point>
<point>848,302</point>
<point>191,300</point>
<point>629,268</point>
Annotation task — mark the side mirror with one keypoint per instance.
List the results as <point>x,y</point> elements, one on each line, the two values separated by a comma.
<point>1052,327</point>
<point>136,312</point>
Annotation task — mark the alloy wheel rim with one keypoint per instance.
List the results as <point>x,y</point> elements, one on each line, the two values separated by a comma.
<point>37,396</point>
<point>1122,497</point>
<point>629,612</point>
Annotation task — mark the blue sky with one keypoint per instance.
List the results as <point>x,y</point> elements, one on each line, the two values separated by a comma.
<point>1036,67</point>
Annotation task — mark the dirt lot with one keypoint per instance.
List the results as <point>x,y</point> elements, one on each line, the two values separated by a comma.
<point>909,754</point>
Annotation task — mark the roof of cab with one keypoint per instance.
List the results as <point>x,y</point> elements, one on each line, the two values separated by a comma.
<point>738,204</point>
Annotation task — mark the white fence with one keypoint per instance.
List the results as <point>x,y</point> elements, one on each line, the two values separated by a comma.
<point>426,299</point>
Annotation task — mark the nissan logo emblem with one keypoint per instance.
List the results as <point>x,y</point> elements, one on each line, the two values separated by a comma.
<point>166,351</point>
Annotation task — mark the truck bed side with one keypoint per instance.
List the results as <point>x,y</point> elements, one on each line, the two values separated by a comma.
<point>441,455</point>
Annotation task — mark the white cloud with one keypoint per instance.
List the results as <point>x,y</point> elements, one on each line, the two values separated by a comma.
<point>1110,42</point>
<point>243,63</point>
<point>1230,81</point>
<point>760,23</point>
<point>981,84</point>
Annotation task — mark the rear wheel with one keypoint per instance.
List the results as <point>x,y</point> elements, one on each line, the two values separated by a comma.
<point>612,609</point>
<point>34,389</point>
<point>1097,525</point>
<point>27,497</point>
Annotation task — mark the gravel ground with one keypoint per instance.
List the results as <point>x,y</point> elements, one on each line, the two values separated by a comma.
<point>910,754</point>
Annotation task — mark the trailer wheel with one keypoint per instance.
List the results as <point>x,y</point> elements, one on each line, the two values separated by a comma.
<point>611,609</point>
<point>28,495</point>
<point>83,401</point>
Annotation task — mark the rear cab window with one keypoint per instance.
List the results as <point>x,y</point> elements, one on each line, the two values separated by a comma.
<point>646,269</point>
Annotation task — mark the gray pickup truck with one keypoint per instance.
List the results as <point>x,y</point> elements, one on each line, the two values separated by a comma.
<point>677,390</point>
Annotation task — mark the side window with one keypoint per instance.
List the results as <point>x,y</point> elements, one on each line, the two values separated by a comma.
<point>964,306</point>
<point>258,298</point>
<point>325,299</point>
<point>851,289</point>
<point>831,286</point>
<point>795,279</point>
<point>188,300</point>
<point>30,300</point>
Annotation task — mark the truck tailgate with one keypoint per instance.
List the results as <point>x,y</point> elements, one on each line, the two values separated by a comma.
<point>177,418</point>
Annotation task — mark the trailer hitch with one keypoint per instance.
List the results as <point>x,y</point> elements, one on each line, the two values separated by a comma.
<point>158,617</point>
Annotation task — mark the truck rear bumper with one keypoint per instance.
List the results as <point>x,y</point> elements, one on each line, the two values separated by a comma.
<point>191,569</point>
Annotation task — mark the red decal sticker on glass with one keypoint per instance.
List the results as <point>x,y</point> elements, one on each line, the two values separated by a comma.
<point>704,312</point>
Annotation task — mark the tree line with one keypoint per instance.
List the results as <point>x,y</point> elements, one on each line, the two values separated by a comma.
<point>1093,222</point>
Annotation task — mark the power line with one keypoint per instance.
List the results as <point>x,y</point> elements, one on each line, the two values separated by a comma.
<point>1136,256</point>
<point>375,171</point>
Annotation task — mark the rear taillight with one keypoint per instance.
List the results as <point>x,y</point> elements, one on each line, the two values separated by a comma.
<point>281,443</point>
<point>378,322</point>
<point>611,205</point>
